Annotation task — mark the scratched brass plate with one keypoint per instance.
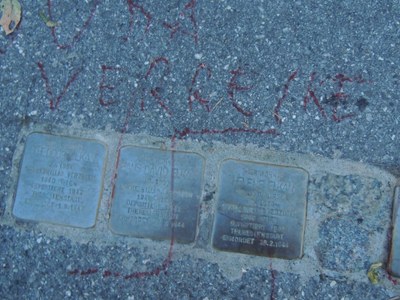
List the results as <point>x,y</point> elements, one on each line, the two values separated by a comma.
<point>60,180</point>
<point>394,259</point>
<point>157,194</point>
<point>261,209</point>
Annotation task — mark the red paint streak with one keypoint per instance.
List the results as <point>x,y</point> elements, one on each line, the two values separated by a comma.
<point>155,272</point>
<point>104,87</point>
<point>83,272</point>
<point>174,27</point>
<point>341,79</point>
<point>278,106</point>
<point>79,33</point>
<point>161,269</point>
<point>131,8</point>
<point>190,5</point>
<point>154,63</point>
<point>114,176</point>
<point>194,94</point>
<point>108,273</point>
<point>234,86</point>
<point>187,12</point>
<point>89,272</point>
<point>167,261</point>
<point>273,279</point>
<point>311,94</point>
<point>46,82</point>
<point>392,280</point>
<point>54,103</point>
<point>341,118</point>
<point>160,101</point>
<point>187,131</point>
<point>73,272</point>
<point>155,90</point>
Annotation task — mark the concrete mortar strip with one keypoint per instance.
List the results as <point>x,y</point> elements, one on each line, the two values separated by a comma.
<point>214,153</point>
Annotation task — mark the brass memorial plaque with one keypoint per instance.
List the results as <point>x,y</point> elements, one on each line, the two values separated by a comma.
<point>394,259</point>
<point>156,191</point>
<point>261,209</point>
<point>60,180</point>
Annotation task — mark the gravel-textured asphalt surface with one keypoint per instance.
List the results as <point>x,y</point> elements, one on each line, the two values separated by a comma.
<point>312,77</point>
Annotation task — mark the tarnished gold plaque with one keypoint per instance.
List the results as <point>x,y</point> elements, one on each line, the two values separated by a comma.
<point>60,180</point>
<point>157,191</point>
<point>261,209</point>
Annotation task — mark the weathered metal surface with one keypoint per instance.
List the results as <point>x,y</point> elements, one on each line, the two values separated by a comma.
<point>261,209</point>
<point>60,180</point>
<point>156,191</point>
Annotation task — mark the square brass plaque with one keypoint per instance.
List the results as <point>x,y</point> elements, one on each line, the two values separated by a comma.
<point>394,260</point>
<point>156,190</point>
<point>60,180</point>
<point>261,209</point>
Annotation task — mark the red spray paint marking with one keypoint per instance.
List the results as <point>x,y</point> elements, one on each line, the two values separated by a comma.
<point>341,79</point>
<point>156,95</point>
<point>90,271</point>
<point>78,35</point>
<point>131,8</point>
<point>104,87</point>
<point>154,63</point>
<point>341,118</point>
<point>392,280</point>
<point>114,176</point>
<point>187,12</point>
<point>167,261</point>
<point>335,97</point>
<point>164,266</point>
<point>54,102</point>
<point>311,94</point>
<point>162,66</point>
<point>154,92</point>
<point>178,134</point>
<point>187,131</point>
<point>195,94</point>
<point>273,278</point>
<point>340,95</point>
<point>277,108</point>
<point>108,273</point>
<point>234,86</point>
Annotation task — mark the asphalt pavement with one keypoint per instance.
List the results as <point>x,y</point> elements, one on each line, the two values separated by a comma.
<point>300,85</point>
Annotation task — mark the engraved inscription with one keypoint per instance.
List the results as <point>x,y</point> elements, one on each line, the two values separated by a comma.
<point>261,209</point>
<point>60,180</point>
<point>156,191</point>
